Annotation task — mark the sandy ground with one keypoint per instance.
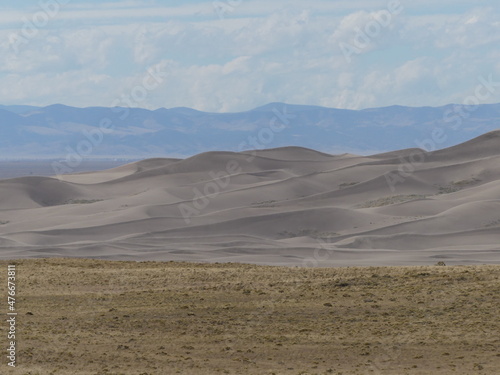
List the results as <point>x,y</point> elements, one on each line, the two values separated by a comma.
<point>92,317</point>
<point>286,206</point>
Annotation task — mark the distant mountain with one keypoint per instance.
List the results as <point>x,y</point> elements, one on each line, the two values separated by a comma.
<point>57,131</point>
<point>19,108</point>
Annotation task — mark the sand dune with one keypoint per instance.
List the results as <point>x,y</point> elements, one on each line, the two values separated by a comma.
<point>287,206</point>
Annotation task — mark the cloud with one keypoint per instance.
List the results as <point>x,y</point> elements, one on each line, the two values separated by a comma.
<point>261,52</point>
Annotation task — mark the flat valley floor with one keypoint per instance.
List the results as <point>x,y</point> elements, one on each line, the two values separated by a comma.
<point>83,316</point>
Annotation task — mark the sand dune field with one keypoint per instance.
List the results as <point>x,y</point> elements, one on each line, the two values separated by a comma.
<point>285,206</point>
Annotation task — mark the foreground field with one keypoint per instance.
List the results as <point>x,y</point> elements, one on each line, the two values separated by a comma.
<point>103,317</point>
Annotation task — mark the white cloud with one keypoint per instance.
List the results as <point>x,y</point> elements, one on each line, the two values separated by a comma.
<point>261,52</point>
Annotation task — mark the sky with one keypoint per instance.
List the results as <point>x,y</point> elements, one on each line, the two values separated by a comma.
<point>235,55</point>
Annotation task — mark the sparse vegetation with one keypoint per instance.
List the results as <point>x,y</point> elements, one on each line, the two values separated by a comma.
<point>313,233</point>
<point>457,185</point>
<point>83,201</point>
<point>81,316</point>
<point>347,184</point>
<point>494,223</point>
<point>270,203</point>
<point>391,200</point>
<point>448,189</point>
<point>470,181</point>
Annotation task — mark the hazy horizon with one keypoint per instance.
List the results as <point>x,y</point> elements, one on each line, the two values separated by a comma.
<point>5,106</point>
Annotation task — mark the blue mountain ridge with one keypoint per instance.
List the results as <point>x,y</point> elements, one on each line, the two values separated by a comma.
<point>56,130</point>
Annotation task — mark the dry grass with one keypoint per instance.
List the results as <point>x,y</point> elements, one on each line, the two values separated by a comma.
<point>101,317</point>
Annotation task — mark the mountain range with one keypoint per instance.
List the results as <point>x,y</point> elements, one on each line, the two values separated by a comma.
<point>57,131</point>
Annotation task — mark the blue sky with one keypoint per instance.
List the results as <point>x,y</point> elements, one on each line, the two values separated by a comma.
<point>234,55</point>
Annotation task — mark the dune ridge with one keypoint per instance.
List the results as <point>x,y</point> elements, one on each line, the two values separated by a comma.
<point>284,206</point>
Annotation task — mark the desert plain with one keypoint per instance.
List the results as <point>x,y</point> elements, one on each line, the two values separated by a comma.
<point>84,316</point>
